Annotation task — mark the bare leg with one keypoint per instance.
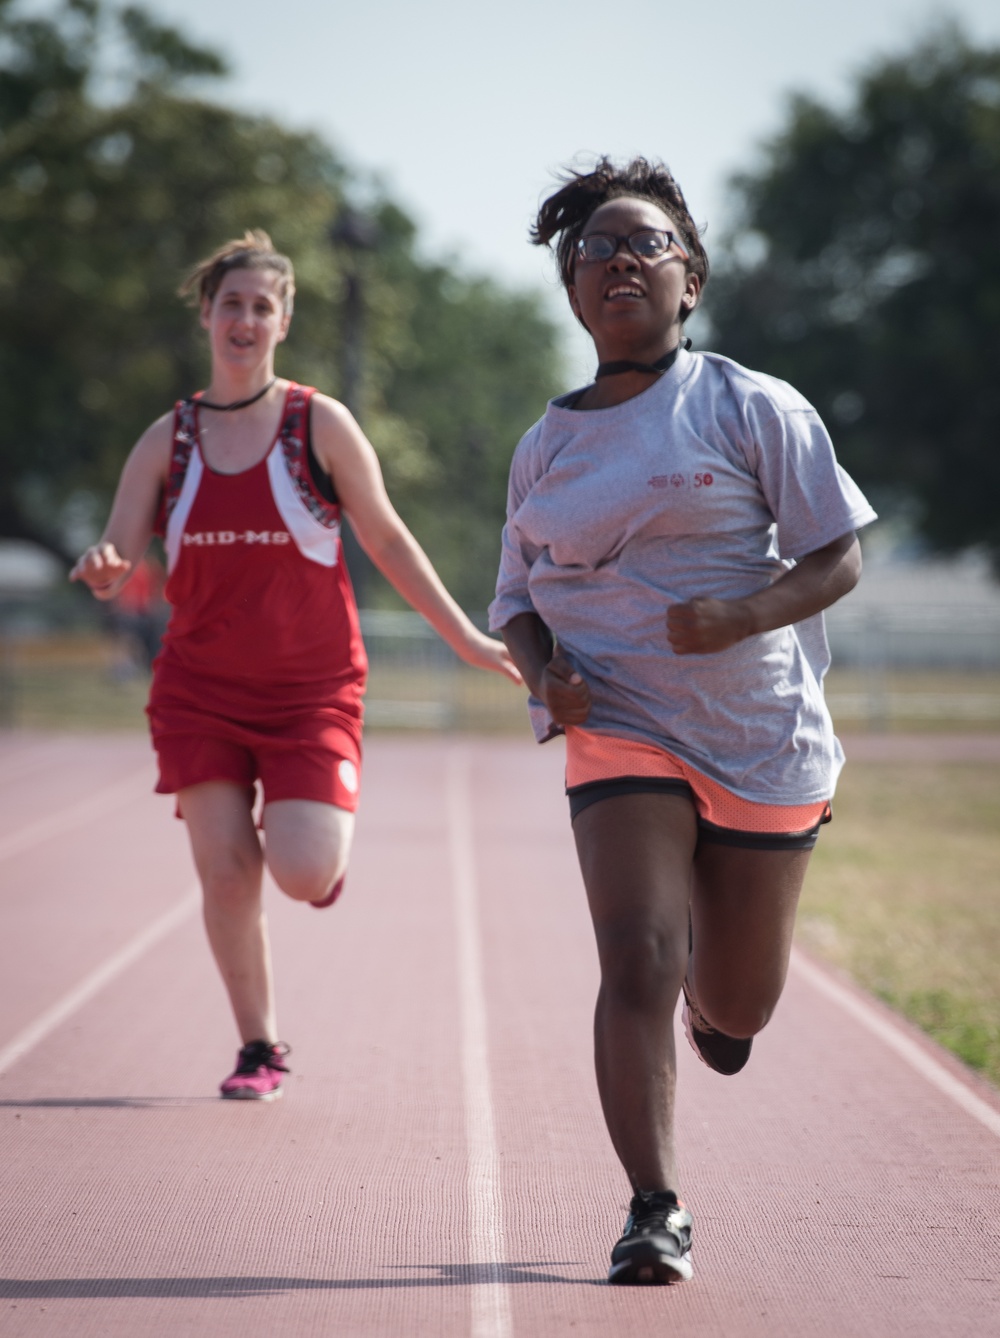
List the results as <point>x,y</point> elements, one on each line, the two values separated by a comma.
<point>307,846</point>
<point>636,855</point>
<point>230,864</point>
<point>743,906</point>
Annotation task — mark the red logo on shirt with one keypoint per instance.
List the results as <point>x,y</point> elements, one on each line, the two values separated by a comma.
<point>680,481</point>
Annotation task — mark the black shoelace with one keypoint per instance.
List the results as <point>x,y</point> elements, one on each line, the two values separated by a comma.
<point>650,1213</point>
<point>256,1054</point>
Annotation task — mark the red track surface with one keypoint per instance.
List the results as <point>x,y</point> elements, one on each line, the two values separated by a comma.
<point>439,1165</point>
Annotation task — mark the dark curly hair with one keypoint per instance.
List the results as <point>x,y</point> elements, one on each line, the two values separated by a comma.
<point>565,213</point>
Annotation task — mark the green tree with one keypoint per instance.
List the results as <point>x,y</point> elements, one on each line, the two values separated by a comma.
<point>102,208</point>
<point>104,205</point>
<point>481,365</point>
<point>864,268</point>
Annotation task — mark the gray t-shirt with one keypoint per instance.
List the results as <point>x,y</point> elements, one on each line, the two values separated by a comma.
<point>711,482</point>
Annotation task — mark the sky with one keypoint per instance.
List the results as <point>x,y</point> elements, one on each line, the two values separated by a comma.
<point>465,111</point>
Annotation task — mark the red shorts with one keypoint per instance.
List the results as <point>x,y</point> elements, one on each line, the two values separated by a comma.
<point>599,766</point>
<point>311,755</point>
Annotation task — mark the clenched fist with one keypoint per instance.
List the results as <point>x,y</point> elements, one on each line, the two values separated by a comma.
<point>564,692</point>
<point>703,625</point>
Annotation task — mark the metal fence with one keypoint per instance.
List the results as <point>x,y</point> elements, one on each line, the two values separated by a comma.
<point>914,663</point>
<point>902,666</point>
<point>961,637</point>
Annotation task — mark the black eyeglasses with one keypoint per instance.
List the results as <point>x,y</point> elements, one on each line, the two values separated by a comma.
<point>646,244</point>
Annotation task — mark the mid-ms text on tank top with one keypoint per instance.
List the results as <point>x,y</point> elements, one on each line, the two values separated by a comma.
<point>223,538</point>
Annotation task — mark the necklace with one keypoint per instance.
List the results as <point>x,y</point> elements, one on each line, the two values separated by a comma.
<point>660,365</point>
<point>237,404</point>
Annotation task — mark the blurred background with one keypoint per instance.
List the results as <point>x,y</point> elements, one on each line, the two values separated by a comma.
<point>844,164</point>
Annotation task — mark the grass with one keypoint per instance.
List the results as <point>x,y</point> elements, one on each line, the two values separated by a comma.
<point>70,682</point>
<point>903,893</point>
<point>70,685</point>
<point>79,682</point>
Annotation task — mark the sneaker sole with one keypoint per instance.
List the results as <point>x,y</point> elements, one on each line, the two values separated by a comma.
<point>649,1267</point>
<point>247,1094</point>
<point>689,1032</point>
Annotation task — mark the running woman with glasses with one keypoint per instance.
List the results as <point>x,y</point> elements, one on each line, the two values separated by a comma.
<point>262,671</point>
<point>674,531</point>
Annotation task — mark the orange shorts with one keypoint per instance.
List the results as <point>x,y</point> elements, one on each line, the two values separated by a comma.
<point>601,766</point>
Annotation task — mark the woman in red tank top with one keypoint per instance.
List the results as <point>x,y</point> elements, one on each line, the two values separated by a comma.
<point>262,671</point>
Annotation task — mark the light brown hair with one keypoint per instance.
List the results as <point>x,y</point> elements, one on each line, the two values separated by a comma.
<point>254,250</point>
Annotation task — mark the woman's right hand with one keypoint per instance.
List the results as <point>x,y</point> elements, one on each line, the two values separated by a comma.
<point>103,569</point>
<point>564,692</point>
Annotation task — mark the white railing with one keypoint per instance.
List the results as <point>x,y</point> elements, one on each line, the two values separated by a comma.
<point>915,636</point>
<point>898,666</point>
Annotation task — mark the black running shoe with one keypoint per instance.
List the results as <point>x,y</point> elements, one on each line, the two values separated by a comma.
<point>725,1054</point>
<point>655,1250</point>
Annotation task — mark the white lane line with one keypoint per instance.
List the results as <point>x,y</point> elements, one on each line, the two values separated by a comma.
<point>94,806</point>
<point>897,1040</point>
<point>95,982</point>
<point>490,1301</point>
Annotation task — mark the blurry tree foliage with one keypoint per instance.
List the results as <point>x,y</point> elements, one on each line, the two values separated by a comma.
<point>116,175</point>
<point>481,365</point>
<point>864,267</point>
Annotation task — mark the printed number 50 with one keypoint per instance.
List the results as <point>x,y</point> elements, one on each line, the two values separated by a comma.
<point>703,480</point>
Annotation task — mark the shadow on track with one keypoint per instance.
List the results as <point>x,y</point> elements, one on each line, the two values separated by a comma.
<point>445,1275</point>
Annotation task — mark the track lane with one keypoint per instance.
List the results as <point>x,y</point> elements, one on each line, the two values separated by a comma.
<point>92,858</point>
<point>342,1208</point>
<point>57,1014</point>
<point>834,1191</point>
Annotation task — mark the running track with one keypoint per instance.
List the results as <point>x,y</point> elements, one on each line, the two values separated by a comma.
<point>439,1165</point>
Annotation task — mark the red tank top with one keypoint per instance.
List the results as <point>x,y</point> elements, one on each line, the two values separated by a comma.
<point>263,609</point>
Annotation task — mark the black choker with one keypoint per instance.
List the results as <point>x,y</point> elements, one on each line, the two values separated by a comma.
<point>660,365</point>
<point>237,404</point>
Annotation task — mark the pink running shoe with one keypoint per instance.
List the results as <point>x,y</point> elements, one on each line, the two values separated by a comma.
<point>331,896</point>
<point>258,1073</point>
